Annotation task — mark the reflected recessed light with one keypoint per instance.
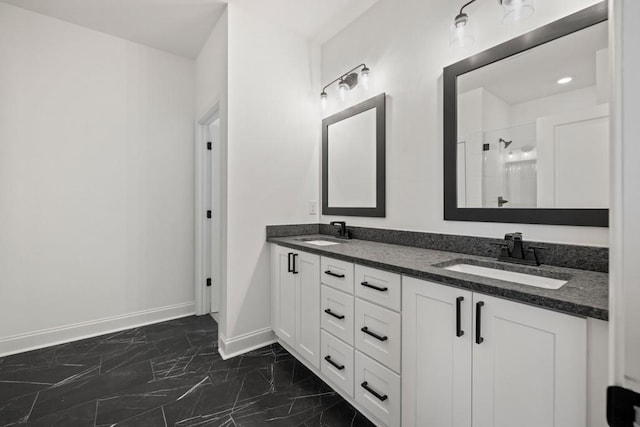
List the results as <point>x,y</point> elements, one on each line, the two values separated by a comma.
<point>565,80</point>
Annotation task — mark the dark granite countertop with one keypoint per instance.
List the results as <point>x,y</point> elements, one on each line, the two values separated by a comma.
<point>586,294</point>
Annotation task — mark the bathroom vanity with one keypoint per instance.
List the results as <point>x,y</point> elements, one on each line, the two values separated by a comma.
<point>410,342</point>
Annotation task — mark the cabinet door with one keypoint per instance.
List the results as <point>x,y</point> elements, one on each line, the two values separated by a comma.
<point>307,306</point>
<point>436,362</point>
<point>285,299</point>
<point>529,367</point>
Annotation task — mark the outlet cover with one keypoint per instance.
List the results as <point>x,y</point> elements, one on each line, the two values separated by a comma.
<point>313,207</point>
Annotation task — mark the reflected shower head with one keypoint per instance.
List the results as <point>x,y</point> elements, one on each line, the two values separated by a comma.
<point>506,143</point>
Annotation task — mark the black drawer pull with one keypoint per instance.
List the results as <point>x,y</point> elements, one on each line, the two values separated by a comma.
<point>479,339</point>
<point>335,365</point>
<point>373,334</point>
<point>331,313</point>
<point>377,288</point>
<point>459,331</point>
<point>331,273</point>
<point>380,397</point>
<point>289,269</point>
<point>293,270</point>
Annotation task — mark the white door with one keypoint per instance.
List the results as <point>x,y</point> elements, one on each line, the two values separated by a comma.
<point>625,215</point>
<point>285,289</point>
<point>307,271</point>
<point>436,357</point>
<point>529,366</point>
<point>214,204</point>
<point>573,159</point>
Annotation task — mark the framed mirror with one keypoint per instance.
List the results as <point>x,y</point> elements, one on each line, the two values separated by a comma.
<point>353,160</point>
<point>526,127</point>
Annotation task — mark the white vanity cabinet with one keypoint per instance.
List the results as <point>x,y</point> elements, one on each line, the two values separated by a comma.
<point>296,301</point>
<point>474,360</point>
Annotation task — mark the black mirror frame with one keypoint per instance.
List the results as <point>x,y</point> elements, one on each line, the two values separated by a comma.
<point>377,102</point>
<point>578,217</point>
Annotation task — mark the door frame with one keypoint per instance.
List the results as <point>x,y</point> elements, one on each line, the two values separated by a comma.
<point>202,297</point>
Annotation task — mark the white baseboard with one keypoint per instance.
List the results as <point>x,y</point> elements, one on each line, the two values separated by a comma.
<point>59,335</point>
<point>232,347</point>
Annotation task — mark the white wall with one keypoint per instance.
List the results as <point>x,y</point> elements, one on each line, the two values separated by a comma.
<point>96,182</point>
<point>405,43</point>
<point>212,93</point>
<point>560,104</point>
<point>273,155</point>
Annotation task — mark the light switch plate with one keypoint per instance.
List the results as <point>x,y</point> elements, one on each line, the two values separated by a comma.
<point>313,207</point>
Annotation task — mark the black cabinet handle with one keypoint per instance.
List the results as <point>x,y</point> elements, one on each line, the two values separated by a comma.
<point>380,397</point>
<point>479,339</point>
<point>289,269</point>
<point>294,271</point>
<point>331,273</point>
<point>368,285</point>
<point>373,334</point>
<point>331,313</point>
<point>335,365</point>
<point>459,331</point>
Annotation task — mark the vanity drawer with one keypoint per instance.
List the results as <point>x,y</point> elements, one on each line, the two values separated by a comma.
<point>377,333</point>
<point>337,274</point>
<point>337,362</point>
<point>377,389</point>
<point>337,313</point>
<point>378,286</point>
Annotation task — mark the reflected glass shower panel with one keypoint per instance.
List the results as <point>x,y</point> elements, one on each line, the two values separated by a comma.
<point>510,167</point>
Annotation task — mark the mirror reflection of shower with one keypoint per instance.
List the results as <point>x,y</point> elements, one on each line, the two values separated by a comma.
<point>510,167</point>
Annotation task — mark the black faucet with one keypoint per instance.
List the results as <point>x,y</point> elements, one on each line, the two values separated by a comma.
<point>344,233</point>
<point>516,252</point>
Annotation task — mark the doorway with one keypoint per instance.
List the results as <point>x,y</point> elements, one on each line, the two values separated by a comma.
<point>208,209</point>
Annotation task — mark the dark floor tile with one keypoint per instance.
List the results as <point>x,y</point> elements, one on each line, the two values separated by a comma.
<point>213,402</point>
<point>142,398</point>
<point>176,327</point>
<point>338,415</point>
<point>16,410</point>
<point>152,418</point>
<point>28,360</point>
<point>91,388</point>
<point>206,338</point>
<point>290,406</point>
<point>13,390</point>
<point>132,354</point>
<point>193,361</point>
<point>77,416</point>
<point>285,373</point>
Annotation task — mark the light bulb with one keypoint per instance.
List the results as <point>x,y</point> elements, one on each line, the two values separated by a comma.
<point>461,32</point>
<point>343,87</point>
<point>364,77</point>
<point>323,100</point>
<point>516,10</point>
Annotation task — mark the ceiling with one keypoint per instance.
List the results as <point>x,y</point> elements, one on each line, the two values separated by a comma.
<point>534,73</point>
<point>182,26</point>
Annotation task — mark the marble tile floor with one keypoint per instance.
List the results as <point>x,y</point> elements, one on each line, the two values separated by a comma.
<point>166,374</point>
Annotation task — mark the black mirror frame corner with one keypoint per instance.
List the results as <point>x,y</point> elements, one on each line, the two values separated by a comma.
<point>378,102</point>
<point>576,217</point>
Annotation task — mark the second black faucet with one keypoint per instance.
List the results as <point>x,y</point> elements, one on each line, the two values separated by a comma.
<point>343,233</point>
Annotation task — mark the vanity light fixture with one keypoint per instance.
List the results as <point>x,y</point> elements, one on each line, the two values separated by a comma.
<point>461,31</point>
<point>565,80</point>
<point>346,82</point>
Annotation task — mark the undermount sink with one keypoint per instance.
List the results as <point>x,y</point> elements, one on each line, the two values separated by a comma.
<point>509,276</point>
<point>320,241</point>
